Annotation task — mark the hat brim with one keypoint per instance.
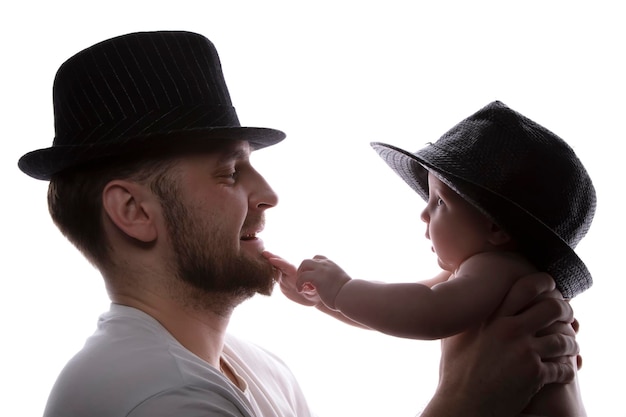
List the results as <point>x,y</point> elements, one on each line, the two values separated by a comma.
<point>546,249</point>
<point>43,164</point>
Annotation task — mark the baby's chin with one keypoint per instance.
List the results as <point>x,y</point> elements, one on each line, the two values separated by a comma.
<point>446,266</point>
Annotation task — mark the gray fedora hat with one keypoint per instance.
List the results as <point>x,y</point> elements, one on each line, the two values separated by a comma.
<point>140,91</point>
<point>524,177</point>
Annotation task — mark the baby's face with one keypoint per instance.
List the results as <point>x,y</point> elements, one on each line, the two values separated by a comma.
<point>455,227</point>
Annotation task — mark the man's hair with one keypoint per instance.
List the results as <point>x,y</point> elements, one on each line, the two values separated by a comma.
<point>75,199</point>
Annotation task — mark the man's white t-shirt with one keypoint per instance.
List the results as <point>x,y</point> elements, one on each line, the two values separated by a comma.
<point>133,367</point>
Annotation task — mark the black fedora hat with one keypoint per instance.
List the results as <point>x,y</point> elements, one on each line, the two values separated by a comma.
<point>524,177</point>
<point>139,91</point>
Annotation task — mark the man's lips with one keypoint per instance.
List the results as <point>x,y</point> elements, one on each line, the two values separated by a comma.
<point>251,228</point>
<point>253,243</point>
<point>250,238</point>
<point>250,231</point>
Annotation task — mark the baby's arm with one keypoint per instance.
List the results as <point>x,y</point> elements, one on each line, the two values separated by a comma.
<point>414,310</point>
<point>432,309</point>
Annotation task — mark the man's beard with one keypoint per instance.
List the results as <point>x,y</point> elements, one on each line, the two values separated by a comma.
<point>205,258</point>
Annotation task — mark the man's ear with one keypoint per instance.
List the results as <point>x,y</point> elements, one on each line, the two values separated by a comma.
<point>498,236</point>
<point>132,208</point>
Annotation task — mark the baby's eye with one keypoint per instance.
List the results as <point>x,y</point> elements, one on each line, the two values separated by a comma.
<point>439,202</point>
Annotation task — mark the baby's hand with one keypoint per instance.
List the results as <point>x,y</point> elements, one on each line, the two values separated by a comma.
<point>326,277</point>
<point>306,296</point>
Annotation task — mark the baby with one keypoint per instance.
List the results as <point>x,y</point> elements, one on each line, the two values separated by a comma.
<point>505,198</point>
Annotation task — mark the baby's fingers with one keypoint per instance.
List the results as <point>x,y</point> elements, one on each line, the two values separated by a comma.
<point>318,261</point>
<point>280,263</point>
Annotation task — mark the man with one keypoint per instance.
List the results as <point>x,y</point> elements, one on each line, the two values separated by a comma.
<point>150,179</point>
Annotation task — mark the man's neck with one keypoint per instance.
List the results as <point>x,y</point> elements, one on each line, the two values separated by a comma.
<point>201,331</point>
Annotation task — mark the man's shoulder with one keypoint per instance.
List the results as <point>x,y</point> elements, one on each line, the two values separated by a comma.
<point>127,361</point>
<point>129,342</point>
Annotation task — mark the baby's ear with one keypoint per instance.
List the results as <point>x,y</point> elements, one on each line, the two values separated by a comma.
<point>498,236</point>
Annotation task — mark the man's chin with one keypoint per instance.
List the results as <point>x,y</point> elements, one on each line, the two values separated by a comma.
<point>264,273</point>
<point>266,291</point>
<point>273,280</point>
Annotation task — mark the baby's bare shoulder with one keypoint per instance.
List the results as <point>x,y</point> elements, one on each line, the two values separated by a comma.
<point>499,263</point>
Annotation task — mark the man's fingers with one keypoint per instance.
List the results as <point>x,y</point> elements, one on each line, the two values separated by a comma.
<point>575,325</point>
<point>556,345</point>
<point>545,313</point>
<point>557,372</point>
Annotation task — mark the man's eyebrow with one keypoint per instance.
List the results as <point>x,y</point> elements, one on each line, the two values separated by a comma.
<point>235,154</point>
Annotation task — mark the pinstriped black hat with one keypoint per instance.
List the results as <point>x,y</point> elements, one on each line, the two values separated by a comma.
<point>521,175</point>
<point>139,91</point>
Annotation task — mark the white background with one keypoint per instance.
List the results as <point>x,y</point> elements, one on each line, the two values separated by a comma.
<point>334,75</point>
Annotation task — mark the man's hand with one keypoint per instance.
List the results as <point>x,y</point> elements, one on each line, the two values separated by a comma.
<point>496,369</point>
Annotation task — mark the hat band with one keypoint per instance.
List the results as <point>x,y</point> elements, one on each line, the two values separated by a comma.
<point>183,117</point>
